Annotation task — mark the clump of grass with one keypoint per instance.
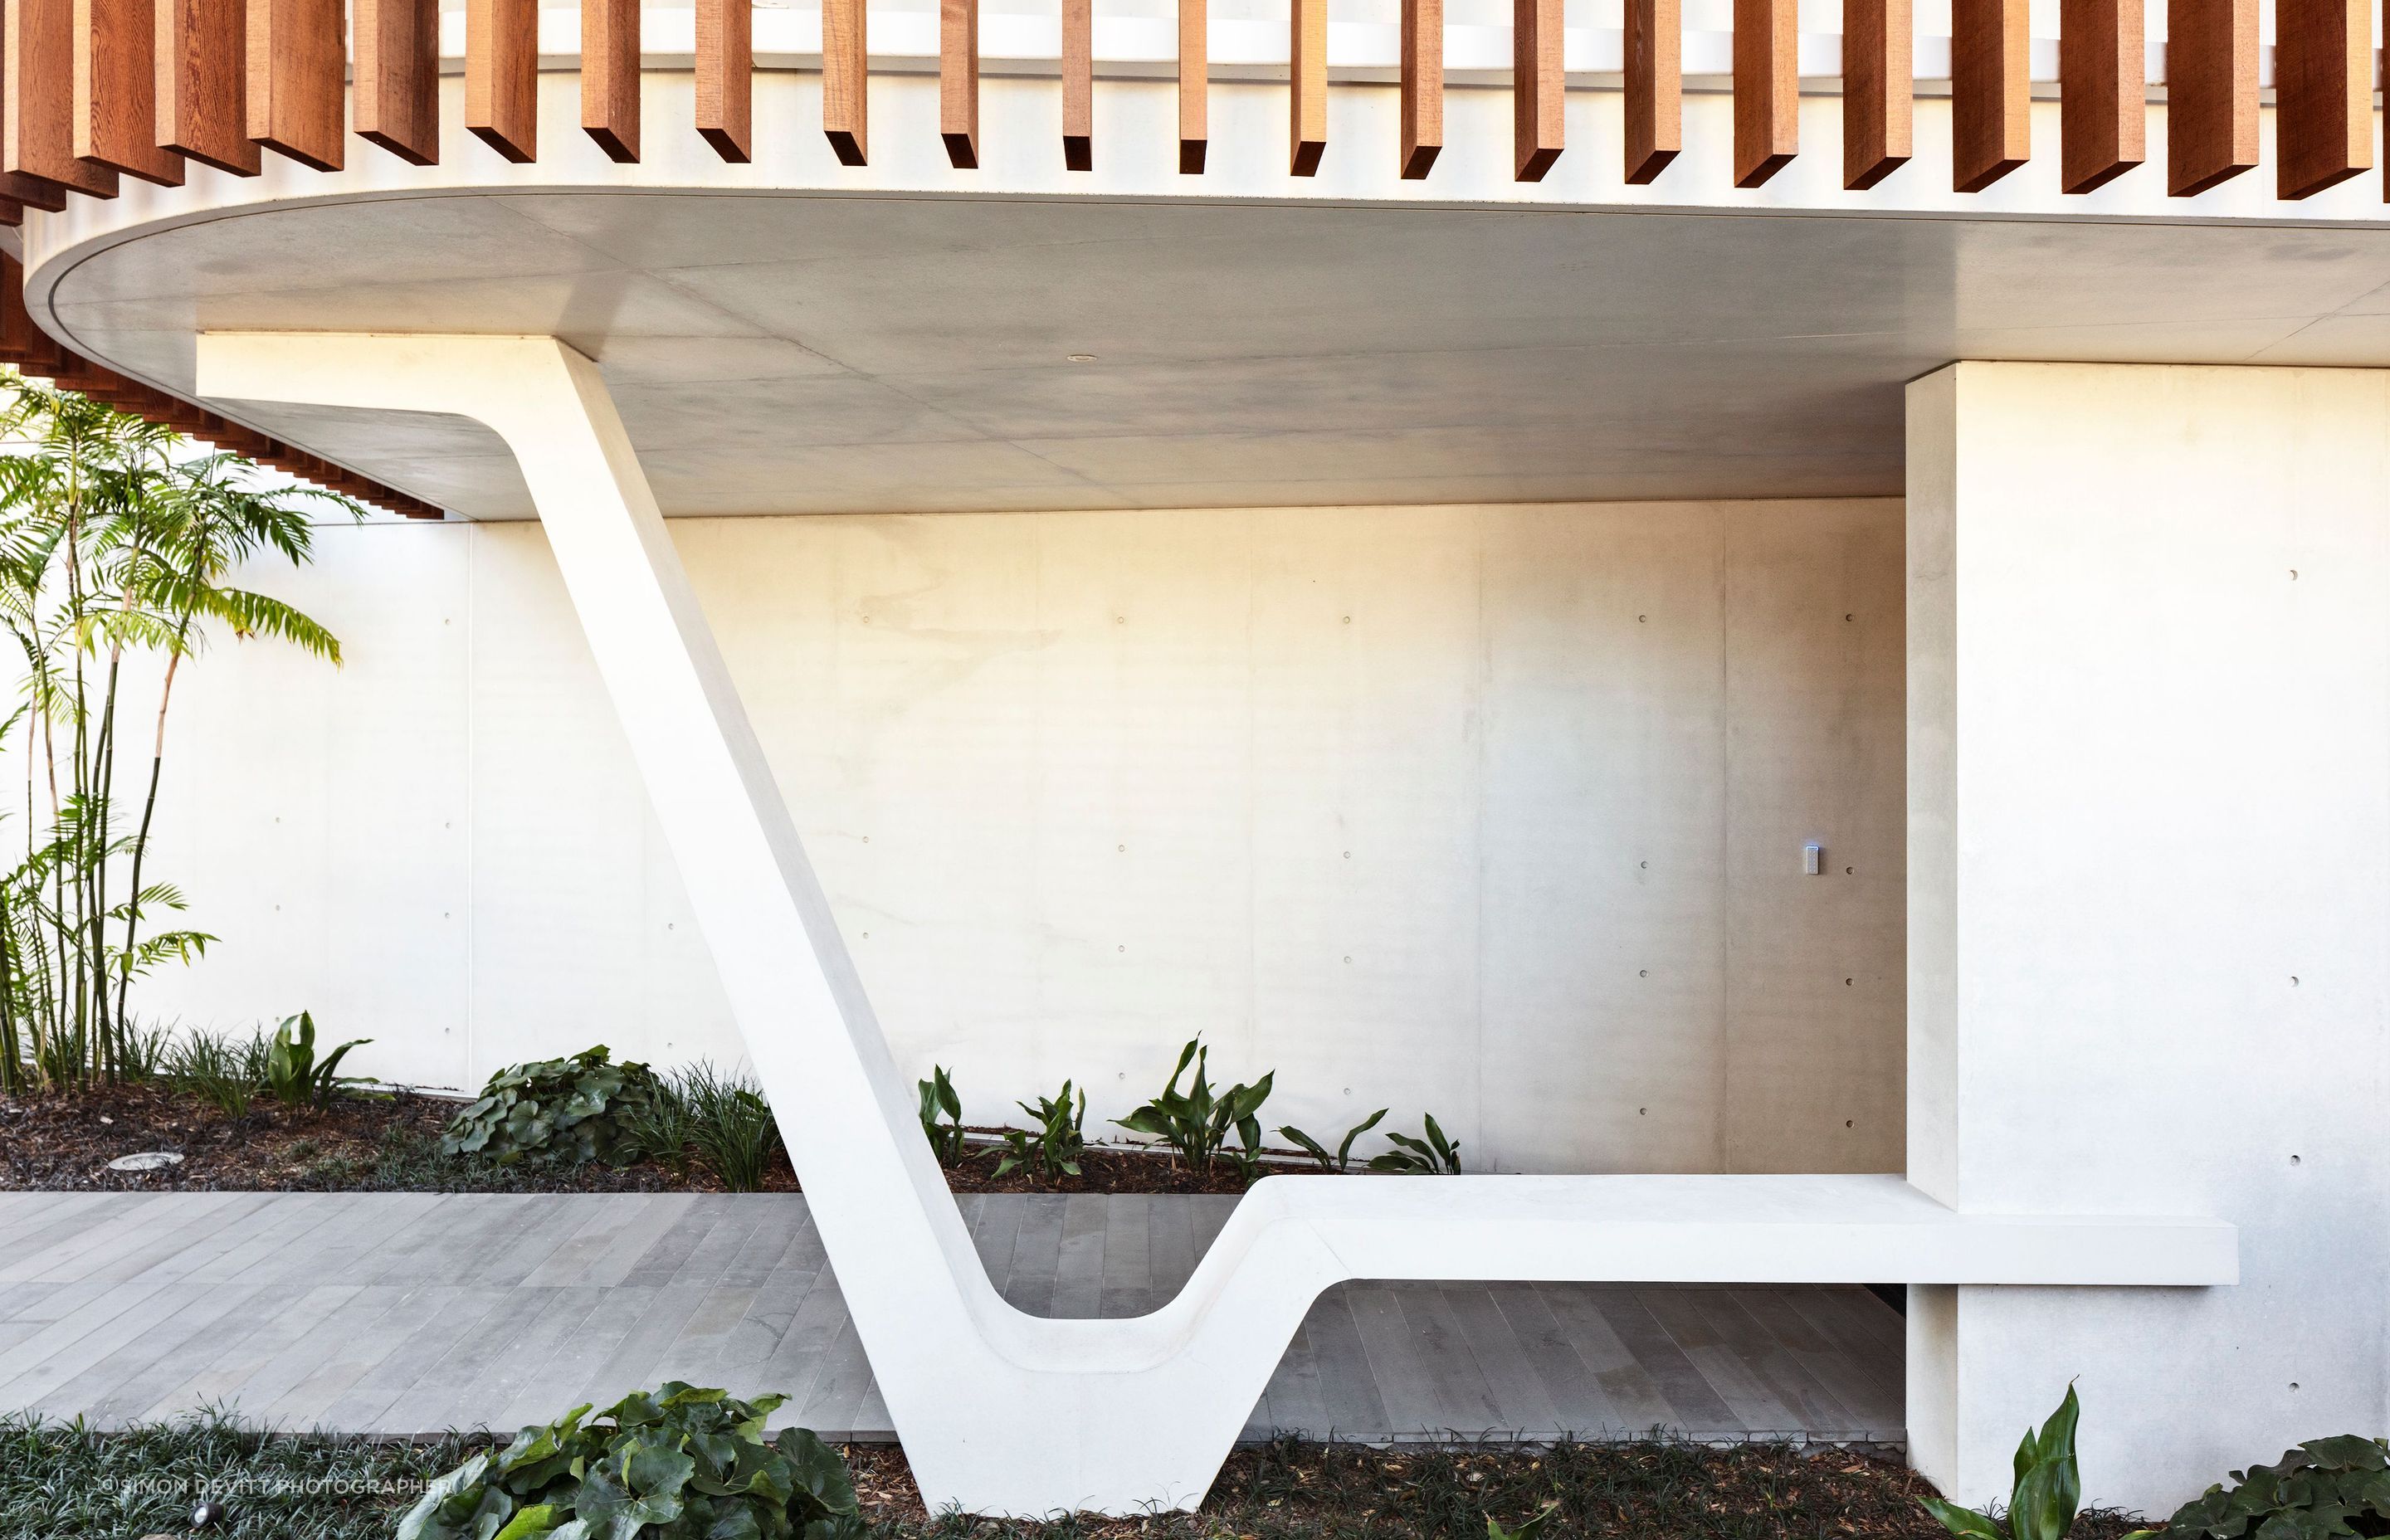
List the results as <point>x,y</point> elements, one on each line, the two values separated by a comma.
<point>215,1069</point>
<point>730,1124</point>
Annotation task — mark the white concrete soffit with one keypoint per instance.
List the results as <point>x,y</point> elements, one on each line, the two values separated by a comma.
<point>1002,1412</point>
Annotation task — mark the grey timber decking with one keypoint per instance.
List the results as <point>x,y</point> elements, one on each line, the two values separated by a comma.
<point>404,1313</point>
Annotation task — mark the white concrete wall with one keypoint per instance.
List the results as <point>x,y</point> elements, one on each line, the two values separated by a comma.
<point>1492,812</point>
<point>2150,923</point>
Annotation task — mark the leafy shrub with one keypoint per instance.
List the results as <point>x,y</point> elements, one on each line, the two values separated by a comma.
<point>1197,1122</point>
<point>212,1068</point>
<point>1342,1160</point>
<point>2049,1488</point>
<point>677,1464</point>
<point>2324,1488</point>
<point>291,1071</point>
<point>1053,1148</point>
<point>1434,1156</point>
<point>730,1123</point>
<point>938,1096</point>
<point>579,1108</point>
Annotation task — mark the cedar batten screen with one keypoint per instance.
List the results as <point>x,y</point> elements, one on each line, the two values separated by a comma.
<point>844,97</point>
<point>116,91</point>
<point>1422,104</point>
<point>726,78</point>
<point>1655,86</point>
<point>1539,88</point>
<point>1879,83</point>
<point>1078,85</point>
<point>201,84</point>
<point>2211,93</point>
<point>2323,94</point>
<point>398,77</point>
<point>298,78</point>
<point>2101,95</point>
<point>1307,85</point>
<point>610,76</point>
<point>37,99</point>
<point>502,75</point>
<point>1194,86</point>
<point>1991,134</point>
<point>1766,90</point>
<point>959,81</point>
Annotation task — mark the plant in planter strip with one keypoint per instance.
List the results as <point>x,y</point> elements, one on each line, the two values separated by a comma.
<point>1198,1121</point>
<point>580,1108</point>
<point>1053,1148</point>
<point>2324,1489</point>
<point>2048,1492</point>
<point>1342,1160</point>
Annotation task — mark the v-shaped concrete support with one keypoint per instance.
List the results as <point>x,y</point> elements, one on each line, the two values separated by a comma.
<point>1000,1412</point>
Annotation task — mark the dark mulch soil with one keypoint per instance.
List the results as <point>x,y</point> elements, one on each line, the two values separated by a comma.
<point>60,1480</point>
<point>393,1145</point>
<point>354,1145</point>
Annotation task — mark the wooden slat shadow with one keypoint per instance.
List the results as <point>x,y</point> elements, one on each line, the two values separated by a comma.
<point>298,78</point>
<point>1539,90</point>
<point>1879,85</point>
<point>1766,90</point>
<point>1194,86</point>
<point>726,78</point>
<point>116,91</point>
<point>1422,89</point>
<point>1991,130</point>
<point>2102,110</point>
<point>2323,94</point>
<point>2211,93</point>
<point>1078,85</point>
<point>959,81</point>
<point>1307,86</point>
<point>37,99</point>
<point>610,76</point>
<point>397,93</point>
<point>846,100</point>
<point>1655,86</point>
<point>502,76</point>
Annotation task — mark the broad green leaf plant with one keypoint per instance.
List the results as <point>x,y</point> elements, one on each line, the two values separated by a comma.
<point>1053,1148</point>
<point>292,1072</point>
<point>1197,1121</point>
<point>583,1108</point>
<point>2047,1490</point>
<point>1342,1160</point>
<point>2325,1489</point>
<point>942,1115</point>
<point>679,1463</point>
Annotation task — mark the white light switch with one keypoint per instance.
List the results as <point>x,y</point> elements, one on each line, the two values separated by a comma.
<point>1811,854</point>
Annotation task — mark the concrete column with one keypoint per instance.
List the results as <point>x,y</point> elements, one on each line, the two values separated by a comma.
<point>2149,794</point>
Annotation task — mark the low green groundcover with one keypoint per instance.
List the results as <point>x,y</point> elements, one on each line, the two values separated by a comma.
<point>59,1480</point>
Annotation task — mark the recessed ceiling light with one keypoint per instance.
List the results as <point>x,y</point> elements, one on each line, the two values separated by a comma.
<point>1080,357</point>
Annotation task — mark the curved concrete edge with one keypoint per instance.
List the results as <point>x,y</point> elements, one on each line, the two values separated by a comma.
<point>1003,1413</point>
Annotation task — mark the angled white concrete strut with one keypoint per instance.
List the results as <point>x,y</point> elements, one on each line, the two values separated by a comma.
<point>1000,1412</point>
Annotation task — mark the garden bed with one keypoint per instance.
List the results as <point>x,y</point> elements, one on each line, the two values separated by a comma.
<point>392,1144</point>
<point>70,1483</point>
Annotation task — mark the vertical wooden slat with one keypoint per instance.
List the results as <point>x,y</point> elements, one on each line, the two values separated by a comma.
<point>1879,85</point>
<point>845,65</point>
<point>1423,105</point>
<point>1078,85</point>
<point>1766,90</point>
<point>1539,90</point>
<point>610,76</point>
<point>33,192</point>
<point>397,93</point>
<point>959,81</point>
<point>201,48</point>
<point>2103,92</point>
<point>1194,86</point>
<point>116,91</point>
<point>502,76</point>
<point>12,212</point>
<point>2323,94</point>
<point>2211,93</point>
<point>1307,85</point>
<point>1991,132</point>
<point>37,99</point>
<point>21,342</point>
<point>1655,86</point>
<point>726,78</point>
<point>298,78</point>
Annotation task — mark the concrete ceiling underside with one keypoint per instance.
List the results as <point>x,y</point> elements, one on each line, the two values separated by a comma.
<point>793,353</point>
